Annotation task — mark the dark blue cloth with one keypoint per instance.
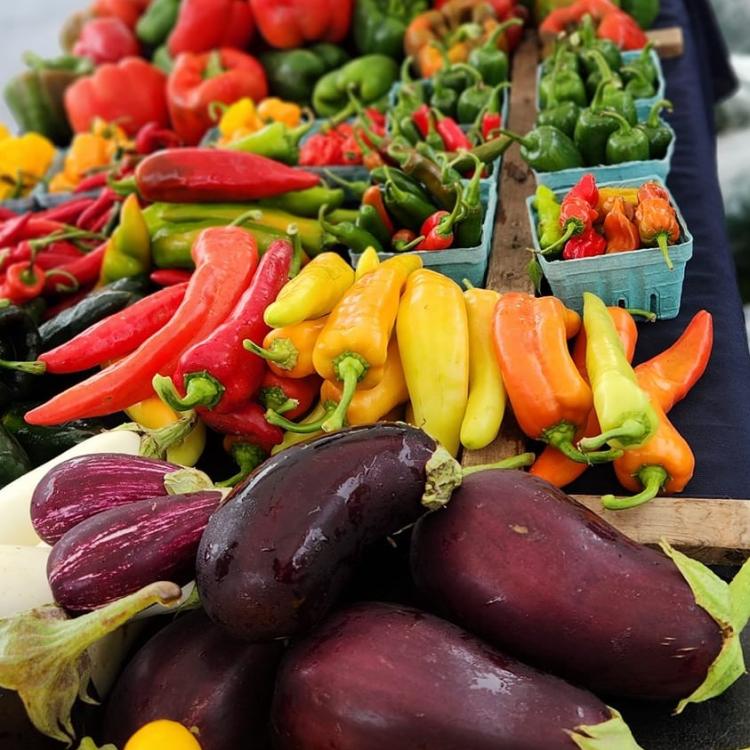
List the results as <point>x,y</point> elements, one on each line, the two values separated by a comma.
<point>715,416</point>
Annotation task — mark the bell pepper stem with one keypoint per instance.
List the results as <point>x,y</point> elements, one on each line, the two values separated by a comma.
<point>555,246</point>
<point>293,232</point>
<point>637,312</point>
<point>213,65</point>
<point>652,478</point>
<point>31,368</point>
<point>126,186</point>
<point>288,405</point>
<point>520,139</point>
<point>350,370</point>
<point>561,437</point>
<point>512,462</point>
<point>663,243</point>
<point>282,352</point>
<point>624,124</point>
<point>201,389</point>
<point>653,116</point>
<point>630,428</point>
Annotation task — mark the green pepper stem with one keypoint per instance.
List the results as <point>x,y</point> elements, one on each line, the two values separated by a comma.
<point>253,214</point>
<point>293,231</point>
<point>663,243</point>
<point>520,139</point>
<point>31,368</point>
<point>213,65</point>
<point>356,187</point>
<point>300,428</point>
<point>630,428</point>
<point>512,462</point>
<point>248,457</point>
<point>570,230</point>
<point>350,370</point>
<point>561,436</point>
<point>602,65</point>
<point>410,245</point>
<point>201,389</point>
<point>625,126</point>
<point>653,478</point>
<point>491,42</point>
<point>475,75</point>
<point>636,73</point>
<point>636,311</point>
<point>652,121</point>
<point>282,352</point>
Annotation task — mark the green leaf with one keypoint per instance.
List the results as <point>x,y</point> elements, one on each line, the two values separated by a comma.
<point>534,269</point>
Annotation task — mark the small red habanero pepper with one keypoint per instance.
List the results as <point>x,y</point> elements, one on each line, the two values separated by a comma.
<point>203,25</point>
<point>217,373</point>
<point>295,23</point>
<point>586,245</point>
<point>24,281</point>
<point>198,80</point>
<point>247,420</point>
<point>586,189</point>
<point>576,219</point>
<point>130,93</point>
<point>291,397</point>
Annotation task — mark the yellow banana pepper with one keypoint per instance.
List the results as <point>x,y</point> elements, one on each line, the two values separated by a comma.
<point>319,413</point>
<point>433,339</point>
<point>153,414</point>
<point>367,262</point>
<point>24,160</point>
<point>312,293</point>
<point>288,350</point>
<point>274,109</point>
<point>486,405</point>
<point>372,404</point>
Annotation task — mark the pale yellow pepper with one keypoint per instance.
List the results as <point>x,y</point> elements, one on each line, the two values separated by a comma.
<point>367,263</point>
<point>24,160</point>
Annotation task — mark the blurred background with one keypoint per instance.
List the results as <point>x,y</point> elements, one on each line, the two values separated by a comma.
<point>35,25</point>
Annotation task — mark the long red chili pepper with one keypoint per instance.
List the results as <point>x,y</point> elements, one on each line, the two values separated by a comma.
<point>117,335</point>
<point>100,207</point>
<point>27,227</point>
<point>6,214</point>
<point>291,397</point>
<point>453,137</point>
<point>247,420</point>
<point>224,258</point>
<point>79,272</point>
<point>68,212</point>
<point>170,276</point>
<point>217,372</point>
<point>49,261</point>
<point>94,182</point>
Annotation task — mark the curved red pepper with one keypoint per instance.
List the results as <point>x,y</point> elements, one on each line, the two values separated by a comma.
<point>247,420</point>
<point>203,25</point>
<point>80,272</point>
<point>217,373</point>
<point>294,23</point>
<point>453,137</point>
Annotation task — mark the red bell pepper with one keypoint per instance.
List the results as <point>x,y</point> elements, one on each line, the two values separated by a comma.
<point>131,93</point>
<point>216,373</point>
<point>623,30</point>
<point>128,11</point>
<point>203,25</point>
<point>106,40</point>
<point>199,80</point>
<point>294,23</point>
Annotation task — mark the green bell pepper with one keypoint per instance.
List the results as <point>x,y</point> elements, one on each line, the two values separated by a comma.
<point>35,97</point>
<point>275,141</point>
<point>154,25</point>
<point>658,134</point>
<point>592,131</point>
<point>444,98</point>
<point>547,149</point>
<point>644,11</point>
<point>561,85</point>
<point>608,49</point>
<point>472,99</point>
<point>369,78</point>
<point>292,74</point>
<point>612,95</point>
<point>645,64</point>
<point>379,25</point>
<point>627,143</point>
<point>562,116</point>
<point>638,86</point>
<point>569,60</point>
<point>490,61</point>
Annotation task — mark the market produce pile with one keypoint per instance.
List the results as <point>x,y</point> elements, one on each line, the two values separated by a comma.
<point>245,338</point>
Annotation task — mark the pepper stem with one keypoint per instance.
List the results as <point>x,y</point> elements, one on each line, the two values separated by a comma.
<point>561,437</point>
<point>636,311</point>
<point>512,462</point>
<point>293,232</point>
<point>554,247</point>
<point>409,245</point>
<point>248,458</point>
<point>252,215</point>
<point>201,389</point>
<point>630,428</point>
<point>491,42</point>
<point>653,116</point>
<point>350,370</point>
<point>521,139</point>
<point>282,352</point>
<point>300,428</point>
<point>661,239</point>
<point>624,124</point>
<point>652,478</point>
<point>32,368</point>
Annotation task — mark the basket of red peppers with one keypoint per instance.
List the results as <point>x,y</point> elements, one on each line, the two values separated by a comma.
<point>626,242</point>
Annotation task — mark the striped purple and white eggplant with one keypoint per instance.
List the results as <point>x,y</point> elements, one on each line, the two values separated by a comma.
<point>276,556</point>
<point>524,566</point>
<point>83,486</point>
<point>118,551</point>
<point>377,676</point>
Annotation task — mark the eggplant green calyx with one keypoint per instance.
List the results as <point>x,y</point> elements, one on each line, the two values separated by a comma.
<point>613,734</point>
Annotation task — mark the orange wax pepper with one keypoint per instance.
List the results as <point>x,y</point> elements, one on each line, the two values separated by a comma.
<point>553,465</point>
<point>657,225</point>
<point>288,350</point>
<point>621,233</point>
<point>550,398</point>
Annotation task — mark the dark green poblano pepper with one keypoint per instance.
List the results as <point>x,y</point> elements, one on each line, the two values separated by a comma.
<point>592,131</point>
<point>472,99</point>
<point>627,143</point>
<point>656,130</point>
<point>638,86</point>
<point>489,60</point>
<point>613,96</point>
<point>561,86</point>
<point>547,149</point>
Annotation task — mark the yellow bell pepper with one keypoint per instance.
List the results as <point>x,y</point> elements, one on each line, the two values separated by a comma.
<point>4,132</point>
<point>312,293</point>
<point>240,118</point>
<point>486,405</point>
<point>24,160</point>
<point>370,405</point>
<point>153,414</point>
<point>367,262</point>
<point>433,339</point>
<point>274,109</point>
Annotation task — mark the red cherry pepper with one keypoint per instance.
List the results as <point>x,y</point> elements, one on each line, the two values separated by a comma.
<point>280,394</point>
<point>217,373</point>
<point>23,282</point>
<point>405,239</point>
<point>438,228</point>
<point>453,137</point>
<point>247,420</point>
<point>586,245</point>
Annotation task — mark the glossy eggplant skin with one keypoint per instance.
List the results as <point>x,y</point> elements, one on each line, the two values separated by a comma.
<point>379,676</point>
<point>83,486</point>
<point>192,672</point>
<point>518,562</point>
<point>277,554</point>
<point>119,551</point>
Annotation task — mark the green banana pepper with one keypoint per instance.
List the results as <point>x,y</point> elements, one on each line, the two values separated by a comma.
<point>369,78</point>
<point>35,97</point>
<point>658,134</point>
<point>547,149</point>
<point>548,214</point>
<point>644,11</point>
<point>627,143</point>
<point>379,25</point>
<point>154,25</point>
<point>490,61</point>
<point>275,141</point>
<point>292,74</point>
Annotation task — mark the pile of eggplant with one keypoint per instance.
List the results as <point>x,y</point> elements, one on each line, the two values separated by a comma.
<point>523,601</point>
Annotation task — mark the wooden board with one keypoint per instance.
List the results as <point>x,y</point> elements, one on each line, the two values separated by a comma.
<point>668,42</point>
<point>712,530</point>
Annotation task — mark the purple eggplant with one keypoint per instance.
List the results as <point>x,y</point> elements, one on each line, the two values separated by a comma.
<point>277,554</point>
<point>192,672</point>
<point>83,486</point>
<point>519,563</point>
<point>119,551</point>
<point>379,676</point>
